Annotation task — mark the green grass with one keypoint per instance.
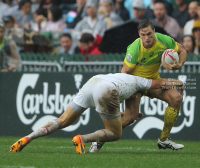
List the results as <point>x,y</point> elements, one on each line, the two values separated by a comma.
<point>59,152</point>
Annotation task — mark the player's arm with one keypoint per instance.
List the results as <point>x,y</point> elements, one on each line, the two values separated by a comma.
<point>182,58</point>
<point>167,84</point>
<point>126,69</point>
<point>131,57</point>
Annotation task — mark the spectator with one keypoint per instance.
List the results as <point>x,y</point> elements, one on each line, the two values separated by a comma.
<point>47,4</point>
<point>105,10</point>
<point>129,4</point>
<point>90,45</point>
<point>9,56</point>
<point>67,44</point>
<point>81,10</point>
<point>169,24</point>
<point>189,43</point>
<point>8,22</point>
<point>196,34</point>
<point>40,20</point>
<point>121,10</point>
<point>25,15</point>
<point>12,9</point>
<point>3,8</point>
<point>150,10</point>
<point>139,9</point>
<point>193,14</point>
<point>55,20</point>
<point>181,14</point>
<point>92,22</point>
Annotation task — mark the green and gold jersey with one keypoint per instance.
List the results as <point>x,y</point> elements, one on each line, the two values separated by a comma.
<point>146,62</point>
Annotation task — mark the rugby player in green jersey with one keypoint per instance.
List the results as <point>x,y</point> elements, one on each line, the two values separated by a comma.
<point>143,58</point>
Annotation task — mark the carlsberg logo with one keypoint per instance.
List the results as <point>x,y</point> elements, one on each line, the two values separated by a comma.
<point>35,104</point>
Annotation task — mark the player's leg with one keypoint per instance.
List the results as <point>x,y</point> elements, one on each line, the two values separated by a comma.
<point>67,118</point>
<point>174,100</point>
<point>129,116</point>
<point>112,132</point>
<point>132,110</point>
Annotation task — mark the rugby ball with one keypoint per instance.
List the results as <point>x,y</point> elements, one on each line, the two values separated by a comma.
<point>168,56</point>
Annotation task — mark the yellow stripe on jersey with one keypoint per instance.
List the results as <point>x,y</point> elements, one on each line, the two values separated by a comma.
<point>129,64</point>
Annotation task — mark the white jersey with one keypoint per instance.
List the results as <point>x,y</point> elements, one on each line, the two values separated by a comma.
<point>105,92</point>
<point>126,84</point>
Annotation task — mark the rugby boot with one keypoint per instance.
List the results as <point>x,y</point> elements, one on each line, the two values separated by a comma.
<point>169,144</point>
<point>95,147</point>
<point>20,144</point>
<point>80,145</point>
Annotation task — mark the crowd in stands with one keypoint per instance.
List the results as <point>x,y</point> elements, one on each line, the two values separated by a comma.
<point>81,24</point>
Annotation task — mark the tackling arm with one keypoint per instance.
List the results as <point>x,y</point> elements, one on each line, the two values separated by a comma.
<point>167,84</point>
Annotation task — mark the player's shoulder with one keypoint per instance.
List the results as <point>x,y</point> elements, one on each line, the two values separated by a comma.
<point>165,39</point>
<point>161,37</point>
<point>135,44</point>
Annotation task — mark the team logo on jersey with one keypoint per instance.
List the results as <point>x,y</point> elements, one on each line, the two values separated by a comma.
<point>129,57</point>
<point>151,54</point>
<point>143,60</point>
<point>160,53</point>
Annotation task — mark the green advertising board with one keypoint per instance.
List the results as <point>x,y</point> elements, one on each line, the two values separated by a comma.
<point>29,100</point>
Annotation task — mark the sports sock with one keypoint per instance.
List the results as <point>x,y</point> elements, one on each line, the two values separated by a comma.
<point>48,128</point>
<point>104,135</point>
<point>170,118</point>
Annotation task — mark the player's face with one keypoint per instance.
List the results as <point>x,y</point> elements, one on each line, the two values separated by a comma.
<point>187,44</point>
<point>160,11</point>
<point>147,36</point>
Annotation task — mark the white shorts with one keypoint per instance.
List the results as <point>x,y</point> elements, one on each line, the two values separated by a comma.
<point>101,94</point>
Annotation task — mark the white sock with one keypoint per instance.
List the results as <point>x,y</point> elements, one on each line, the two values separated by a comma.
<point>104,135</point>
<point>47,129</point>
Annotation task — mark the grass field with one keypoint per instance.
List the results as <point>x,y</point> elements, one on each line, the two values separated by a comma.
<point>59,152</point>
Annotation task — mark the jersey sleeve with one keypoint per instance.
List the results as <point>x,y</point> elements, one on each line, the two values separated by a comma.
<point>143,83</point>
<point>168,41</point>
<point>132,53</point>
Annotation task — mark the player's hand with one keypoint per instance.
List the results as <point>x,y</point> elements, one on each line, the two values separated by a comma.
<point>174,66</point>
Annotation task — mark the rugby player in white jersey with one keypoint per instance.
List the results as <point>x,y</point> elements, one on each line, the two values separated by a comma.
<point>104,92</point>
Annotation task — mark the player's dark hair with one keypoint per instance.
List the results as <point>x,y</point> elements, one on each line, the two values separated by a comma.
<point>56,13</point>
<point>198,4</point>
<point>86,38</point>
<point>145,23</point>
<point>193,41</point>
<point>162,2</point>
<point>66,35</point>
